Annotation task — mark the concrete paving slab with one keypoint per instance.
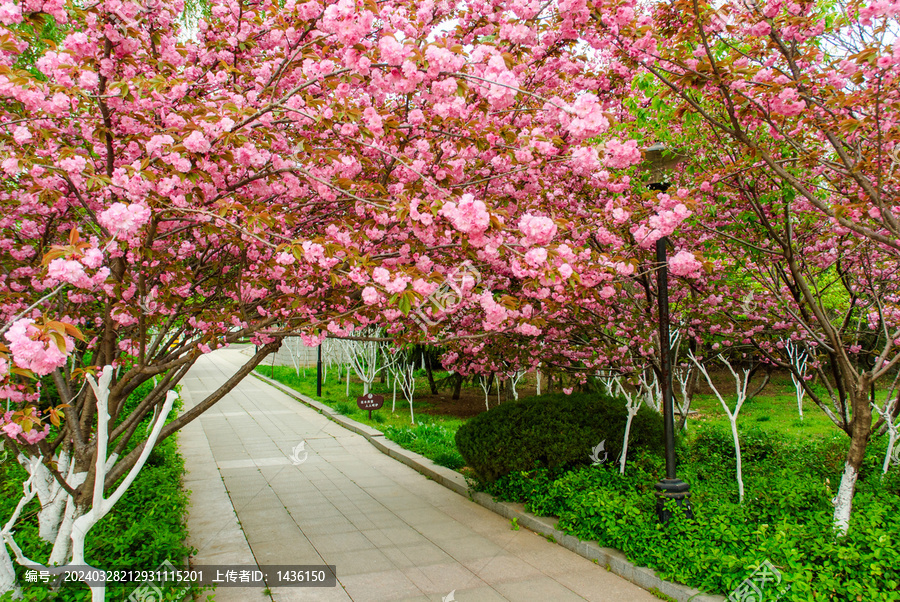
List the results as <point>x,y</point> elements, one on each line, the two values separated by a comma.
<point>308,491</point>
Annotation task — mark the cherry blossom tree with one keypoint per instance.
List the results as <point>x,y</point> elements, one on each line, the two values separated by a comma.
<point>298,165</point>
<point>789,113</point>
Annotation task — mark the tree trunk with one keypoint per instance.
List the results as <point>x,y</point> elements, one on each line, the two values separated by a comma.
<point>429,373</point>
<point>737,454</point>
<point>457,385</point>
<point>632,410</point>
<point>860,428</point>
<point>691,389</point>
<point>7,573</point>
<point>758,390</point>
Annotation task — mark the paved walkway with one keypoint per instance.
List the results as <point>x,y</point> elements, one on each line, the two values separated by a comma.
<point>392,533</point>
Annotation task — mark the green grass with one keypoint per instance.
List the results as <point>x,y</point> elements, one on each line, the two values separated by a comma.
<point>431,436</point>
<point>775,409</point>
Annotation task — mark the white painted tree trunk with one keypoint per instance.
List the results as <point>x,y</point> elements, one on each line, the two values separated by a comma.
<point>513,379</point>
<point>893,426</point>
<point>843,503</point>
<point>889,456</point>
<point>737,452</point>
<point>483,383</point>
<point>741,389</point>
<point>8,574</point>
<point>537,377</point>
<point>52,497</point>
<point>408,387</point>
<point>798,357</point>
<point>76,523</point>
<point>348,382</point>
<point>632,410</point>
<point>632,405</point>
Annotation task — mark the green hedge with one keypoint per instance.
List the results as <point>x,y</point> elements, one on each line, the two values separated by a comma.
<point>552,431</point>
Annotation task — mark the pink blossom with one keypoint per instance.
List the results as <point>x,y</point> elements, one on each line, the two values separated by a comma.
<point>620,156</point>
<point>123,219</point>
<point>33,352</point>
<point>760,29</point>
<point>11,429</point>
<point>470,216</point>
<point>538,230</point>
<point>10,166</point>
<point>423,287</point>
<point>88,80</point>
<point>416,117</point>
<point>788,103</point>
<point>684,264</point>
<point>285,258</point>
<point>396,286</point>
<point>74,164</point>
<point>70,271</point>
<point>392,51</point>
<point>565,270</point>
<point>536,257</point>
<point>370,295</point>
<point>10,13</point>
<point>309,10</point>
<point>381,276</point>
<point>528,329</point>
<point>34,435</point>
<point>373,121</point>
<point>196,142</point>
<point>22,134</point>
<point>589,119</point>
<point>585,160</point>
<point>156,143</point>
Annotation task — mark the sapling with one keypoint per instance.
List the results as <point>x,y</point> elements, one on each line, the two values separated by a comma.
<point>485,384</point>
<point>407,383</point>
<point>741,391</point>
<point>632,405</point>
<point>798,357</point>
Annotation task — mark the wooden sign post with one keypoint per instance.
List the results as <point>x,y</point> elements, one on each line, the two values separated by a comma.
<point>370,402</point>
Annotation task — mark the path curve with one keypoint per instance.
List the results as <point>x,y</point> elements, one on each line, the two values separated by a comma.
<point>391,533</point>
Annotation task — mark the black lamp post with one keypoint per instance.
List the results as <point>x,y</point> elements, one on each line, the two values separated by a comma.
<point>671,487</point>
<point>319,371</point>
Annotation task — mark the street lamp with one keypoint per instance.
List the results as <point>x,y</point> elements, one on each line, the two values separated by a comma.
<point>319,371</point>
<point>671,487</point>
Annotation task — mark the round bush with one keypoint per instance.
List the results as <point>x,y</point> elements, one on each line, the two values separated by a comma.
<point>553,430</point>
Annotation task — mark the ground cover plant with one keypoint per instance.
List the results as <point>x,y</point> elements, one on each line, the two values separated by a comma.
<point>785,519</point>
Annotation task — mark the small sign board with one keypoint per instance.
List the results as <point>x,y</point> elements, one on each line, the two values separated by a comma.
<point>370,402</point>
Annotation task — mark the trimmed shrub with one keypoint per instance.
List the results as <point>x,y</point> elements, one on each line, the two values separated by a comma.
<point>552,431</point>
